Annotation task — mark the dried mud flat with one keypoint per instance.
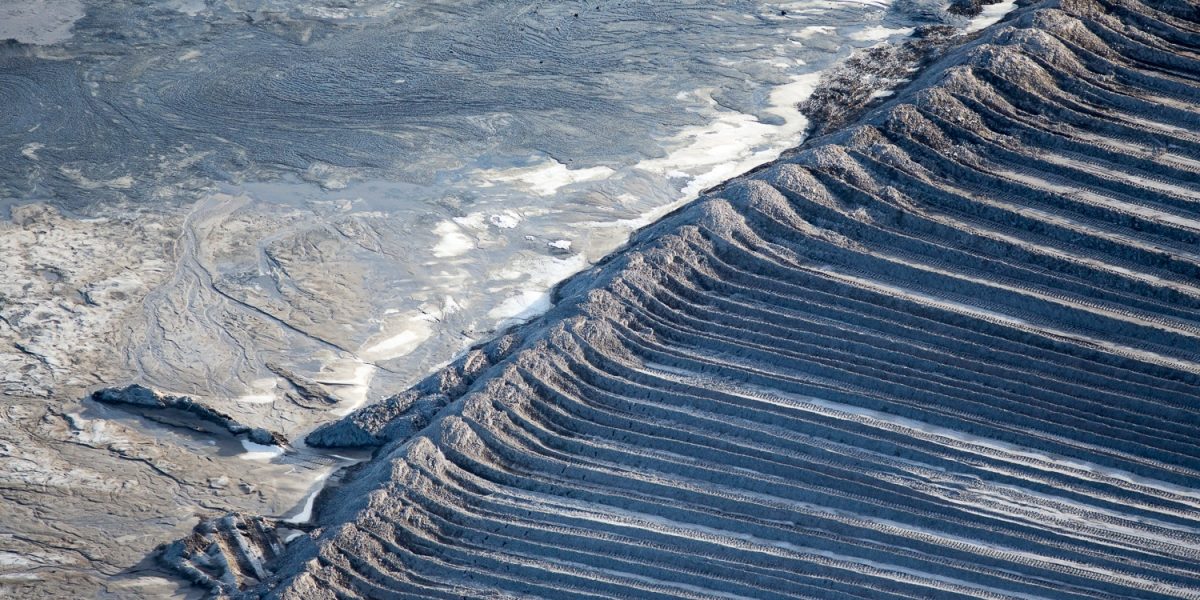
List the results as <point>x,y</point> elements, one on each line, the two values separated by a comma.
<point>950,351</point>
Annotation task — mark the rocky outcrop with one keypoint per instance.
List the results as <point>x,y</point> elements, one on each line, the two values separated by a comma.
<point>146,398</point>
<point>224,554</point>
<point>949,352</point>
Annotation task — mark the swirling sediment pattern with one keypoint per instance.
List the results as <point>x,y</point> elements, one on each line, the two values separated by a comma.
<point>950,352</point>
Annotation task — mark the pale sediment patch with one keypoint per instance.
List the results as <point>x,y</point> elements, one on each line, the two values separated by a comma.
<point>259,451</point>
<point>547,178</point>
<point>122,182</point>
<point>532,296</point>
<point>521,306</point>
<point>452,241</point>
<point>349,381</point>
<point>990,15</point>
<point>267,398</point>
<point>879,32</point>
<point>31,149</point>
<point>507,220</point>
<point>413,329</point>
<point>397,345</point>
<point>262,391</point>
<point>306,509</point>
<point>40,22</point>
<point>735,142</point>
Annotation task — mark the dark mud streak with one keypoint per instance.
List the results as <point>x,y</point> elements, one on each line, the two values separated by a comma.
<point>949,352</point>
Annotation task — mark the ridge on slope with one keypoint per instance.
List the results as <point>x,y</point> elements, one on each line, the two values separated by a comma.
<point>950,352</point>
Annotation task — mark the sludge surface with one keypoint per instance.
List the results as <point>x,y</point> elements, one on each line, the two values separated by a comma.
<point>950,352</point>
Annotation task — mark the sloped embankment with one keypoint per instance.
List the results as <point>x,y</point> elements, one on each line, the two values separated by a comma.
<point>950,352</point>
